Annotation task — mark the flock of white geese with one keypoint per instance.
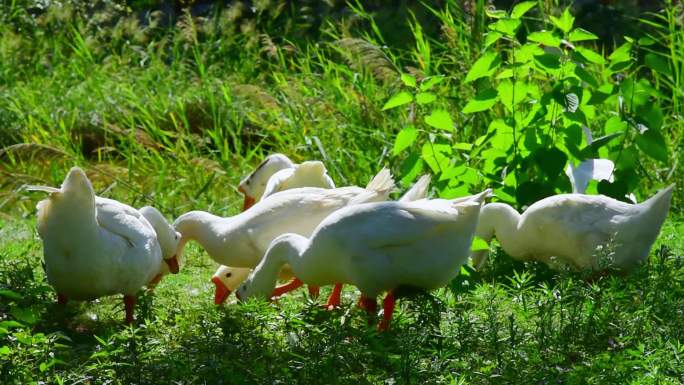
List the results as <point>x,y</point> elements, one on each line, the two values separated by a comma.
<point>296,225</point>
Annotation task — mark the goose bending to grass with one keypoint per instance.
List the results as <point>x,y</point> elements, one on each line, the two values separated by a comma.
<point>94,246</point>
<point>168,241</point>
<point>376,247</point>
<point>227,279</point>
<point>241,240</point>
<point>278,173</point>
<point>576,230</point>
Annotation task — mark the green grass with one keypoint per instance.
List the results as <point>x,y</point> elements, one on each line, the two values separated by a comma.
<point>512,323</point>
<point>174,117</point>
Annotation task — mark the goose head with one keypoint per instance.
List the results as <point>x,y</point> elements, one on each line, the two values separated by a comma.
<point>78,186</point>
<point>167,236</point>
<point>500,220</point>
<point>286,248</point>
<point>254,184</point>
<point>226,280</point>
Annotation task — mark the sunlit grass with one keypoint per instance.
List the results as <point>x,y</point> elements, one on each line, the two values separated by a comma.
<point>174,117</point>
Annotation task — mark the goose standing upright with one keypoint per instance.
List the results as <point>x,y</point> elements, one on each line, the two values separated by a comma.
<point>306,174</point>
<point>575,230</point>
<point>277,173</point>
<point>376,247</point>
<point>93,246</point>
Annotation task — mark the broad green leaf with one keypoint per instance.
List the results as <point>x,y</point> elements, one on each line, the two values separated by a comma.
<point>651,115</point>
<point>551,161</point>
<point>505,74</point>
<point>548,63</point>
<point>492,37</point>
<point>411,167</point>
<point>495,13</point>
<point>521,8</point>
<point>617,189</point>
<point>545,37</point>
<point>603,93</point>
<point>532,191</point>
<point>463,146</point>
<point>408,80</point>
<point>430,82</point>
<point>511,94</point>
<point>590,55</point>
<point>527,52</point>
<point>451,173</point>
<point>580,34</point>
<point>621,54</point>
<point>565,21</point>
<point>591,151</point>
<point>483,101</point>
<point>436,156</point>
<point>652,143</point>
<point>657,63</point>
<point>484,66</point>
<point>10,294</point>
<point>636,94</point>
<point>5,350</point>
<point>586,76</point>
<point>440,119</point>
<point>423,98</point>
<point>450,192</point>
<point>614,124</point>
<point>646,41</point>
<point>479,244</point>
<point>405,139</point>
<point>10,324</point>
<point>506,26</point>
<point>25,315</point>
<point>397,100</point>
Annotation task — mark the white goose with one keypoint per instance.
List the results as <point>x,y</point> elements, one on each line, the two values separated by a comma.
<point>94,246</point>
<point>376,247</point>
<point>588,169</point>
<point>241,240</point>
<point>576,230</point>
<point>277,173</point>
<point>306,174</point>
<point>227,279</point>
<point>168,239</point>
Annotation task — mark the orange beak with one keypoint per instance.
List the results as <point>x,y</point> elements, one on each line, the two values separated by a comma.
<point>221,293</point>
<point>249,201</point>
<point>173,264</point>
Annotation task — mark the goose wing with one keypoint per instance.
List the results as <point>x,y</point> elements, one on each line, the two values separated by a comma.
<point>124,221</point>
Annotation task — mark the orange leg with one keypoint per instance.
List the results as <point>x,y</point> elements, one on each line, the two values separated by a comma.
<point>129,302</point>
<point>334,299</point>
<point>288,287</point>
<point>62,299</point>
<point>314,291</point>
<point>370,305</point>
<point>387,311</point>
<point>155,280</point>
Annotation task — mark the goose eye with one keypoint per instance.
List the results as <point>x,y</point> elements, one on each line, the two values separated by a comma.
<point>228,275</point>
